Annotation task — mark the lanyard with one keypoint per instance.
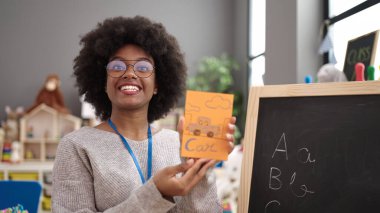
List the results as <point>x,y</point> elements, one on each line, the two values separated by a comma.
<point>149,169</point>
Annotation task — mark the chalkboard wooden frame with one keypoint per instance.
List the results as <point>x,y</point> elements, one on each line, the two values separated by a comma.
<point>362,49</point>
<point>281,91</point>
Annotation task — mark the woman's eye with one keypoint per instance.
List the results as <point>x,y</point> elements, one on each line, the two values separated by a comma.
<point>117,67</point>
<point>142,68</point>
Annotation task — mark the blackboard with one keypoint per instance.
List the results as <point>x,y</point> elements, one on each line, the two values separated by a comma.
<point>362,49</point>
<point>312,149</point>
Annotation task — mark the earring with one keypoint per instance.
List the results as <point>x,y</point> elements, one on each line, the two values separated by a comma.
<point>155,92</point>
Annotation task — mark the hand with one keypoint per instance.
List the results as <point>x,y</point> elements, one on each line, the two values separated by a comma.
<point>170,185</point>
<point>229,135</point>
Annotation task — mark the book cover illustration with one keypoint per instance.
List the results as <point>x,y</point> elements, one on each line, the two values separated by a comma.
<point>206,118</point>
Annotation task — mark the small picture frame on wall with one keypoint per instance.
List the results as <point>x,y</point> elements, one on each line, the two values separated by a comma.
<point>362,49</point>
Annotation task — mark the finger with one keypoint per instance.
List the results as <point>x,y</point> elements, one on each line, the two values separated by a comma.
<point>183,167</point>
<point>190,161</point>
<point>231,126</point>
<point>192,172</point>
<point>230,141</point>
<point>233,120</point>
<point>196,173</point>
<point>181,123</point>
<point>203,170</point>
<point>231,146</point>
<point>202,173</point>
<point>230,137</point>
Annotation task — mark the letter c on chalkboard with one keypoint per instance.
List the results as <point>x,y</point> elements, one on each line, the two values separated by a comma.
<point>270,202</point>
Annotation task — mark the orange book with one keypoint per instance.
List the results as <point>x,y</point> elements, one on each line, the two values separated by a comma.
<point>206,118</point>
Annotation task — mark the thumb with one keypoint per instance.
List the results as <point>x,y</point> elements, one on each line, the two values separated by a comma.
<point>181,123</point>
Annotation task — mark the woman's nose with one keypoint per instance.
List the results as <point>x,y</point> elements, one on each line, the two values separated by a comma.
<point>129,73</point>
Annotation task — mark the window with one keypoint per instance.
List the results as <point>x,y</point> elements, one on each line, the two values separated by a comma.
<point>358,24</point>
<point>256,42</point>
<point>341,31</point>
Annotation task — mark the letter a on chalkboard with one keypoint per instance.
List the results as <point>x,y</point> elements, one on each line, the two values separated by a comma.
<point>282,140</point>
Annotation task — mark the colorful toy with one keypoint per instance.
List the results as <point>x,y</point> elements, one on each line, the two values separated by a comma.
<point>7,151</point>
<point>16,152</point>
<point>51,95</point>
<point>16,209</point>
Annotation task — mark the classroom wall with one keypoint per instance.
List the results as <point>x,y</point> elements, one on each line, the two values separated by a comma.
<point>41,36</point>
<point>292,40</point>
<point>240,52</point>
<point>309,19</point>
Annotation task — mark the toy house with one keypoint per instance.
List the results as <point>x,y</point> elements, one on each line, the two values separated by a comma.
<point>41,130</point>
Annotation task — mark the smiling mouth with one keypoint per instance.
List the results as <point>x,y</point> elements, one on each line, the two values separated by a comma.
<point>129,88</point>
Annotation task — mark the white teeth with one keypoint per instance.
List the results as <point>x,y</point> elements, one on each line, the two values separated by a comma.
<point>129,88</point>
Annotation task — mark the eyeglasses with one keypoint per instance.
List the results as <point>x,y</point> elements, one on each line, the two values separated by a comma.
<point>117,68</point>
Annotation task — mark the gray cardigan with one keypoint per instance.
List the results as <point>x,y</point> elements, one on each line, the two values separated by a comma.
<point>93,172</point>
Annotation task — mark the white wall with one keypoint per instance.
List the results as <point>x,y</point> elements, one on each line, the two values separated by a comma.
<point>292,40</point>
<point>309,19</point>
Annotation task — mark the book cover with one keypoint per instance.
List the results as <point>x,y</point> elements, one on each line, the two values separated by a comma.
<point>206,118</point>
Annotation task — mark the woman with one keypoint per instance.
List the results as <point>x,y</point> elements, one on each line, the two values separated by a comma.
<point>133,72</point>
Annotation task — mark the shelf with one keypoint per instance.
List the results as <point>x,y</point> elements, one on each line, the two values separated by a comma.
<point>40,132</point>
<point>32,140</point>
<point>39,171</point>
<point>52,141</point>
<point>27,166</point>
<point>40,140</point>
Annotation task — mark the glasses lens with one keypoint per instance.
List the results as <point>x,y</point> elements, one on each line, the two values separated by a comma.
<point>143,68</point>
<point>116,68</point>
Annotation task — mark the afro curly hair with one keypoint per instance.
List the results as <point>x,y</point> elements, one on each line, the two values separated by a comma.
<point>111,35</point>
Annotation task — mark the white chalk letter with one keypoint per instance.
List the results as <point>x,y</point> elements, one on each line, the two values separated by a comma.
<point>284,149</point>
<point>278,184</point>
<point>308,158</point>
<point>270,203</point>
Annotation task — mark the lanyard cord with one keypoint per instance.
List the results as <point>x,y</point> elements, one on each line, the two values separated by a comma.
<point>150,144</point>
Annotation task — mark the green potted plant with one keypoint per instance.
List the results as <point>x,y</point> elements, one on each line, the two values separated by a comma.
<point>214,74</point>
